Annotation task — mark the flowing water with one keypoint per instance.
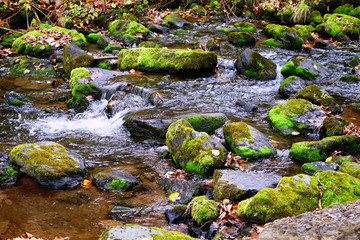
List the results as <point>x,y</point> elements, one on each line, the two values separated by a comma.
<point>105,143</point>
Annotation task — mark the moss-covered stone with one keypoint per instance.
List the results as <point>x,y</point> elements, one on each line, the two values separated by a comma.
<point>313,151</point>
<point>344,9</point>
<point>241,39</point>
<point>203,210</point>
<point>339,26</point>
<point>153,59</point>
<point>8,39</point>
<point>293,116</point>
<point>20,45</point>
<point>333,126</point>
<point>76,37</point>
<point>351,168</point>
<point>103,42</point>
<point>319,96</point>
<point>341,159</point>
<point>110,48</point>
<point>292,196</point>
<point>315,18</point>
<point>290,86</point>
<point>351,78</point>
<point>206,123</point>
<point>77,74</point>
<point>311,168</point>
<point>276,31</point>
<point>93,37</point>
<point>115,181</point>
<point>148,44</point>
<point>247,141</point>
<point>74,57</point>
<point>49,163</point>
<point>244,26</point>
<point>175,21</point>
<point>338,187</point>
<point>355,12</point>
<point>301,67</point>
<point>33,66</point>
<point>193,151</point>
<point>122,29</point>
<point>273,43</point>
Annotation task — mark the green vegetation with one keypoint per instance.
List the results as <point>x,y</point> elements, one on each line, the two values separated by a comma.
<point>203,210</point>
<point>292,68</point>
<point>273,43</point>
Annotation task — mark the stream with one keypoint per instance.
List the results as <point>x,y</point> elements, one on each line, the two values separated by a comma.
<point>105,144</point>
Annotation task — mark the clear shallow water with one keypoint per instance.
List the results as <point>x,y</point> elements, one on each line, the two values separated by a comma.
<point>106,145</point>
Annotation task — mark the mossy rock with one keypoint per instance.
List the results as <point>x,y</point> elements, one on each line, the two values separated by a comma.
<point>276,31</point>
<point>292,196</point>
<point>355,12</point>
<point>246,141</point>
<point>351,78</point>
<point>50,164</point>
<point>74,57</point>
<point>339,27</point>
<point>303,67</point>
<point>203,210</point>
<point>121,29</point>
<point>147,44</point>
<point>253,65</point>
<point>93,37</point>
<point>9,39</point>
<point>333,126</point>
<point>76,37</point>
<point>344,9</point>
<point>15,99</point>
<point>195,152</point>
<point>112,47</point>
<point>313,167</point>
<point>167,60</point>
<point>136,232</point>
<point>341,159</point>
<point>315,18</point>
<point>319,96</point>
<point>175,21</point>
<point>76,74</point>
<point>115,181</point>
<point>313,151</point>
<point>103,42</point>
<point>241,39</point>
<point>290,86</point>
<point>351,168</point>
<point>35,66</point>
<point>292,117</point>
<point>243,26</point>
<point>9,172</point>
<point>271,42</point>
<point>338,187</point>
<point>20,45</point>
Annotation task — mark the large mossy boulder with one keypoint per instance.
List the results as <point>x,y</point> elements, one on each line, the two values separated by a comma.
<point>115,181</point>
<point>193,151</point>
<point>303,67</point>
<point>333,126</point>
<point>32,66</point>
<point>292,196</point>
<point>341,27</point>
<point>313,151</point>
<point>290,86</point>
<point>203,210</point>
<point>75,57</point>
<point>128,31</point>
<point>246,141</point>
<point>50,164</point>
<point>295,116</point>
<point>253,65</point>
<point>40,50</point>
<point>167,60</point>
<point>147,124</point>
<point>136,232</point>
<point>351,168</point>
<point>76,37</point>
<point>235,185</point>
<point>319,96</point>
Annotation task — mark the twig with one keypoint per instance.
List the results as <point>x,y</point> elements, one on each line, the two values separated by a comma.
<point>11,30</point>
<point>104,58</point>
<point>321,193</point>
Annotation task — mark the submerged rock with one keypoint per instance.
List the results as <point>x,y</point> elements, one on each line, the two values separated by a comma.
<point>193,151</point>
<point>339,221</point>
<point>15,99</point>
<point>136,232</point>
<point>247,141</point>
<point>303,67</point>
<point>115,181</point>
<point>121,101</point>
<point>253,65</point>
<point>295,116</point>
<point>203,210</point>
<point>167,60</point>
<point>235,185</point>
<point>9,172</point>
<point>290,86</point>
<point>319,96</point>
<point>50,164</point>
<point>313,151</point>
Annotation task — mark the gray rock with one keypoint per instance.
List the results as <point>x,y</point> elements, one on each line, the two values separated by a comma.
<point>339,221</point>
<point>291,86</point>
<point>186,189</point>
<point>115,181</point>
<point>234,184</point>
<point>311,168</point>
<point>158,29</point>
<point>74,57</point>
<point>175,21</point>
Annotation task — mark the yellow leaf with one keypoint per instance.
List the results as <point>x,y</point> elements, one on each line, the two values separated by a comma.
<point>174,197</point>
<point>328,159</point>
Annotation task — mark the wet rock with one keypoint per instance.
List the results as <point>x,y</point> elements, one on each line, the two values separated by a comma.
<point>304,68</point>
<point>253,65</point>
<point>325,44</point>
<point>32,66</point>
<point>313,151</point>
<point>203,210</point>
<point>121,101</point>
<point>193,151</point>
<point>113,49</point>
<point>176,214</point>
<point>351,78</point>
<point>351,168</point>
<point>103,42</point>
<point>93,37</point>
<point>206,231</point>
<point>9,172</point>
<point>175,21</point>
<point>339,221</point>
<point>136,232</point>
<point>319,96</point>
<point>333,126</point>
<point>209,44</point>
<point>7,40</point>
<point>167,60</point>
<point>240,39</point>
<point>21,45</point>
<point>290,86</point>
<point>292,196</point>
<point>50,164</point>
<point>115,181</point>
<point>15,99</point>
<point>235,185</point>
<point>186,189</point>
<point>313,167</point>
<point>342,159</point>
<point>245,106</point>
<point>75,57</point>
<point>296,116</point>
<point>246,141</point>
<point>145,125</point>
<point>128,31</point>
<point>159,29</point>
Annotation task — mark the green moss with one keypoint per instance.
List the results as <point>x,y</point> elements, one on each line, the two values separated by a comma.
<point>206,124</point>
<point>86,90</point>
<point>104,65</point>
<point>166,59</point>
<point>292,68</point>
<point>76,37</point>
<point>11,171</point>
<point>111,48</point>
<point>79,103</point>
<point>355,12</point>
<point>350,78</point>
<point>27,63</point>
<point>147,44</point>
<point>93,37</point>
<point>115,27</point>
<point>244,27</point>
<point>315,18</point>
<point>203,210</point>
<point>81,60</point>
<point>351,168</point>
<point>313,151</point>
<point>117,184</point>
<point>344,9</point>
<point>355,61</point>
<point>340,160</point>
<point>17,102</point>
<point>273,43</point>
<point>225,30</point>
<point>237,131</point>
<point>20,45</point>
<point>334,126</point>
<point>316,95</point>
<point>309,168</point>
<point>180,31</point>
<point>101,43</point>
<point>54,156</point>
<point>289,79</point>
<point>8,40</point>
<point>338,25</point>
<point>338,187</point>
<point>77,74</point>
<point>276,31</point>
